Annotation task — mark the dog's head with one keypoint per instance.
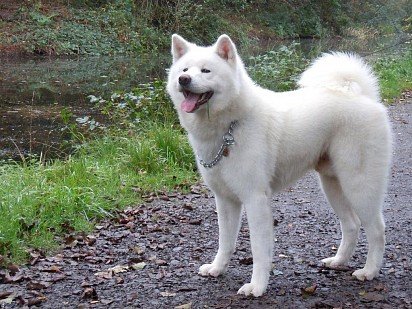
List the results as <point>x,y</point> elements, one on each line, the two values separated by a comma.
<point>203,75</point>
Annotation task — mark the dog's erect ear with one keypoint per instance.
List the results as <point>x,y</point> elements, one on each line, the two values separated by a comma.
<point>226,49</point>
<point>179,47</point>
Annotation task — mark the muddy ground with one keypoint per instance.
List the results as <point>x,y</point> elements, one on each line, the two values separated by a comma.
<point>149,255</point>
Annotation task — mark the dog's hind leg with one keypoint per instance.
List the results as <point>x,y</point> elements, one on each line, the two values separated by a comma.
<point>349,221</point>
<point>229,215</point>
<point>366,198</point>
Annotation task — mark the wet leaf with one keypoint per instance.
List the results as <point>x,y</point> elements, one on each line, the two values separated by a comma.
<point>106,301</point>
<point>167,294</point>
<point>36,301</point>
<point>372,296</point>
<point>13,279</point>
<point>246,261</point>
<point>379,287</point>
<point>52,269</point>
<point>138,250</point>
<point>139,266</point>
<point>90,292</point>
<point>13,268</point>
<point>8,300</point>
<point>119,269</point>
<point>5,294</point>
<point>37,285</point>
<point>107,274</point>
<point>90,240</point>
<point>161,262</point>
<point>308,291</point>
<point>184,306</point>
<point>277,272</point>
<point>195,222</point>
<point>188,206</point>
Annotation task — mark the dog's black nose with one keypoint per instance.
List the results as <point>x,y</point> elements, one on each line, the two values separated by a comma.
<point>184,80</point>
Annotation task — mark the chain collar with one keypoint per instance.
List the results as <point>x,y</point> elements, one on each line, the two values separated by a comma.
<point>228,140</point>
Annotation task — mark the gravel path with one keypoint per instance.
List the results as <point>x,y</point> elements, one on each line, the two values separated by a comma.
<point>149,255</point>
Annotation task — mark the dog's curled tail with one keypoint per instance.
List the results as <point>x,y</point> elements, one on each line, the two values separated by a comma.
<point>342,72</point>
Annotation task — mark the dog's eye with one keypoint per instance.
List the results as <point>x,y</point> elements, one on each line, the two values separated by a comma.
<point>185,69</point>
<point>205,71</point>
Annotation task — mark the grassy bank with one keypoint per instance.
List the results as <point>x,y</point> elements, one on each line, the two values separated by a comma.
<point>144,151</point>
<point>40,201</point>
<point>107,27</point>
<point>395,75</point>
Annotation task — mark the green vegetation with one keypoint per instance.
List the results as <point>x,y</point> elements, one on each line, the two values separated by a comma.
<point>108,27</point>
<point>395,75</point>
<point>278,69</point>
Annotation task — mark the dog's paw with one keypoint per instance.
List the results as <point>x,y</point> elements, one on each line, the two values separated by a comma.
<point>365,274</point>
<point>334,261</point>
<point>210,270</point>
<point>252,288</point>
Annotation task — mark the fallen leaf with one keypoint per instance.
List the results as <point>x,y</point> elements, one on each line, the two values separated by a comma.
<point>52,269</point>
<point>188,206</point>
<point>184,306</point>
<point>90,292</point>
<point>106,301</point>
<point>167,294</point>
<point>195,222</point>
<point>373,296</point>
<point>139,266</point>
<point>107,274</point>
<point>36,301</point>
<point>13,279</point>
<point>308,291</point>
<point>138,250</point>
<point>161,262</point>
<point>246,261</point>
<point>13,268</point>
<point>37,285</point>
<point>8,300</point>
<point>90,240</point>
<point>277,272</point>
<point>379,287</point>
<point>5,294</point>
<point>119,269</point>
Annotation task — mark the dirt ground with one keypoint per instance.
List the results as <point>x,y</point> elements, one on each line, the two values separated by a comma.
<point>148,256</point>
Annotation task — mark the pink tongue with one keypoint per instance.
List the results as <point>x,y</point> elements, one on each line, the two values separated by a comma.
<point>189,103</point>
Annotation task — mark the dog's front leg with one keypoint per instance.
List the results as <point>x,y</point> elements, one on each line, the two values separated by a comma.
<point>260,222</point>
<point>228,212</point>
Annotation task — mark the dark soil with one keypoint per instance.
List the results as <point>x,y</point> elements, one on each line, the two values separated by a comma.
<point>174,234</point>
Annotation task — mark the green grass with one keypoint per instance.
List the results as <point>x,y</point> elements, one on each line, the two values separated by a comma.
<point>38,202</point>
<point>395,75</point>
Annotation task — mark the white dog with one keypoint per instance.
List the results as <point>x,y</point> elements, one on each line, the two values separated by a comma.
<point>251,142</point>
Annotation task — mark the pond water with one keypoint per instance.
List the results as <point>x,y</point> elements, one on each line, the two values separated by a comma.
<point>34,91</point>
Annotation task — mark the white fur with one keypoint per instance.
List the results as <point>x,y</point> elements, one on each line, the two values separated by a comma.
<point>333,123</point>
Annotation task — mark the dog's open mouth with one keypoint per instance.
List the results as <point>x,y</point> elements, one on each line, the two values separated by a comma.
<point>193,100</point>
